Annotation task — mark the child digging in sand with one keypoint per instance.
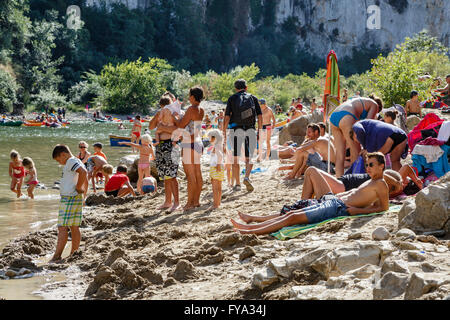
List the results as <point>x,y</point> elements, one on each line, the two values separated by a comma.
<point>31,175</point>
<point>107,171</point>
<point>71,206</point>
<point>16,172</point>
<point>145,155</point>
<point>216,170</point>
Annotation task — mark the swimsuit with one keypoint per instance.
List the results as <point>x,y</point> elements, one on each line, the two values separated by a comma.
<point>18,172</point>
<point>353,181</point>
<point>267,126</point>
<point>315,160</point>
<point>137,133</point>
<point>167,159</point>
<point>398,138</point>
<point>337,116</point>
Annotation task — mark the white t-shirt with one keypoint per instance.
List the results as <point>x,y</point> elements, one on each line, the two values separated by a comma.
<point>149,181</point>
<point>174,107</point>
<point>70,177</point>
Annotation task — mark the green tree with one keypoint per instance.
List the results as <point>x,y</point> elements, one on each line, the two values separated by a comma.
<point>133,86</point>
<point>8,89</point>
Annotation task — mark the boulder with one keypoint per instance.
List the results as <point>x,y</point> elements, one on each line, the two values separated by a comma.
<point>411,122</point>
<point>394,265</point>
<point>432,209</point>
<point>131,162</point>
<point>406,233</point>
<point>422,283</point>
<point>296,129</point>
<point>391,285</point>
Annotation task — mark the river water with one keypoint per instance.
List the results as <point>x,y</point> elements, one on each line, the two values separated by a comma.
<point>20,216</point>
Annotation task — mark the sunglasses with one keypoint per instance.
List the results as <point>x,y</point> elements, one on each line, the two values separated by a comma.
<point>370,165</point>
<point>82,147</point>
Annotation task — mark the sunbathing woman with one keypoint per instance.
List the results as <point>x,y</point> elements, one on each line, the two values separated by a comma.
<point>342,120</point>
<point>372,196</point>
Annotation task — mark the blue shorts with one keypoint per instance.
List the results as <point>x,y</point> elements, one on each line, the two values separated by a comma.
<point>329,207</point>
<point>148,189</point>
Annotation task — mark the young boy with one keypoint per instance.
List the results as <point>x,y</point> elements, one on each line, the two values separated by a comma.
<point>149,185</point>
<point>115,186</point>
<point>98,147</point>
<point>413,105</point>
<point>71,205</point>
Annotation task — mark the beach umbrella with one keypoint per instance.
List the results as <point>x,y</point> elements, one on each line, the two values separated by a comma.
<point>331,97</point>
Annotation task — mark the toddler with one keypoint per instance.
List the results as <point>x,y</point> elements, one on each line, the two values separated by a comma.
<point>31,175</point>
<point>216,169</point>
<point>16,172</point>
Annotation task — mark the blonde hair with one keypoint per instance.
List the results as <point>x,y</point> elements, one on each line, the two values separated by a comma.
<point>14,154</point>
<point>146,138</point>
<point>108,169</point>
<point>83,142</point>
<point>216,134</point>
<point>28,162</point>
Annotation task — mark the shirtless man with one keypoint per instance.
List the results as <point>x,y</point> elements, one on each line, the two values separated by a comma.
<point>294,113</point>
<point>313,105</point>
<point>445,91</point>
<point>266,132</point>
<point>372,196</point>
<point>312,154</point>
<point>413,106</point>
<point>94,165</point>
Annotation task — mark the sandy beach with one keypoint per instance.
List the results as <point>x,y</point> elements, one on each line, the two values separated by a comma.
<point>131,250</point>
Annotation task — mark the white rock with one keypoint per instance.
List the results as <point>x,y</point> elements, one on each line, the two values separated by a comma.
<point>365,271</point>
<point>414,255</point>
<point>380,233</point>
<point>405,233</point>
<point>391,285</point>
<point>422,283</point>
<point>391,265</point>
<point>280,267</point>
<point>264,278</point>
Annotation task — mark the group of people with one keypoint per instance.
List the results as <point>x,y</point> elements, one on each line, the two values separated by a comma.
<point>247,124</point>
<point>357,132</point>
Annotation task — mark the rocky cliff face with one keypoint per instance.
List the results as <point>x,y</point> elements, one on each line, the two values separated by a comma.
<point>341,25</point>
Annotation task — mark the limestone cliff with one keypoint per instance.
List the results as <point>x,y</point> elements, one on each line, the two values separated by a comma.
<point>341,25</point>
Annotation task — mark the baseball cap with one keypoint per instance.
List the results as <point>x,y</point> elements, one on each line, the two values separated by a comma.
<point>262,101</point>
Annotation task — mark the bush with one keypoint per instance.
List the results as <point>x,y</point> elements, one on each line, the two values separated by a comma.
<point>8,89</point>
<point>133,86</point>
<point>50,97</point>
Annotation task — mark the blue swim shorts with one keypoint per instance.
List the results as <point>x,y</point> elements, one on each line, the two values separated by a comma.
<point>148,189</point>
<point>330,207</point>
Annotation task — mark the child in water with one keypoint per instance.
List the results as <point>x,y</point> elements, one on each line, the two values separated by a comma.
<point>145,155</point>
<point>16,172</point>
<point>216,169</point>
<point>31,175</point>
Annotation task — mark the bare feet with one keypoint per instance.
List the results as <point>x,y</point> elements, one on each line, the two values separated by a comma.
<point>238,225</point>
<point>175,207</point>
<point>244,217</point>
<point>55,260</point>
<point>165,206</point>
<point>289,177</point>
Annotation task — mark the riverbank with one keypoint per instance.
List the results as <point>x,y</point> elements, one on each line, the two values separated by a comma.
<point>134,251</point>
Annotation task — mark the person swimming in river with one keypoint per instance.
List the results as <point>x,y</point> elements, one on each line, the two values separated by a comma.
<point>16,172</point>
<point>31,175</point>
<point>372,196</point>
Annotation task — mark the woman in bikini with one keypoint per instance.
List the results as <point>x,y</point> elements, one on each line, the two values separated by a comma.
<point>16,172</point>
<point>342,121</point>
<point>192,147</point>
<point>145,155</point>
<point>136,131</point>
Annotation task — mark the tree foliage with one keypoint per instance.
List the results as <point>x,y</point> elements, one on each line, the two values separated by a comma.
<point>132,86</point>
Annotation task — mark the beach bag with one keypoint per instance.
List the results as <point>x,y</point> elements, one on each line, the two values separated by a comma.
<point>246,111</point>
<point>357,167</point>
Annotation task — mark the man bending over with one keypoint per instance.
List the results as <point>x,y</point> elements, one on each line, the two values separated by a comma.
<point>372,196</point>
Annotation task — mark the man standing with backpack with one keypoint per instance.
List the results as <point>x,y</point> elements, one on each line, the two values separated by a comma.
<point>240,119</point>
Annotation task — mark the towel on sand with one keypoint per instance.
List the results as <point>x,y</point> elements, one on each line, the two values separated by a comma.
<point>294,231</point>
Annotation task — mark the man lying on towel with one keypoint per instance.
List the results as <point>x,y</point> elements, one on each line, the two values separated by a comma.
<point>372,196</point>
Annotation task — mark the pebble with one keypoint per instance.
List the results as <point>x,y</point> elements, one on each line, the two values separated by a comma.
<point>416,256</point>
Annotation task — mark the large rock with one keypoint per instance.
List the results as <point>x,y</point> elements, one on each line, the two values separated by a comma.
<point>422,283</point>
<point>432,208</point>
<point>131,161</point>
<point>296,129</point>
<point>391,285</point>
<point>411,122</point>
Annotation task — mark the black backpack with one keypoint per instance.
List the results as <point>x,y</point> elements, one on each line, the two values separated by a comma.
<point>246,110</point>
